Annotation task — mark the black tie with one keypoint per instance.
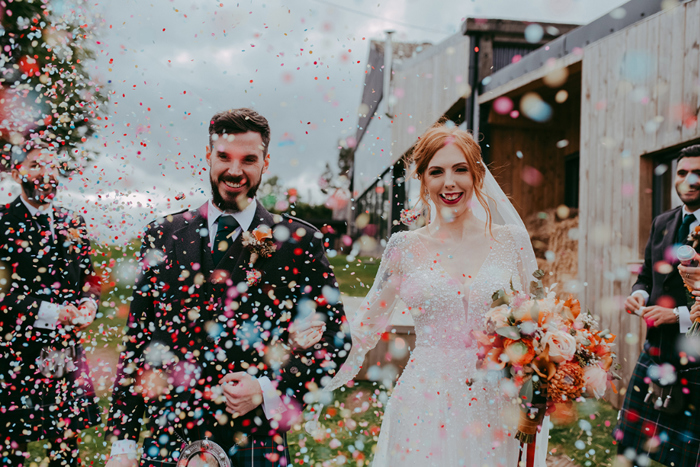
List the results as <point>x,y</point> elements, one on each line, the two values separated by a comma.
<point>44,225</point>
<point>222,241</point>
<point>685,228</point>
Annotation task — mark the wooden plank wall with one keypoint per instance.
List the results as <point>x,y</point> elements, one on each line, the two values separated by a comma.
<point>429,85</point>
<point>538,144</point>
<point>617,136</point>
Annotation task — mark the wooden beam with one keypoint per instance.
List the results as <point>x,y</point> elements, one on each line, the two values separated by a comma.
<point>571,61</point>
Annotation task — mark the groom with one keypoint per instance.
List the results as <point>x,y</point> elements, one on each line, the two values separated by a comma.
<point>206,354</point>
<point>659,418</point>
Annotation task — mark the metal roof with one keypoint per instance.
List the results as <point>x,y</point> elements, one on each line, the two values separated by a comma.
<point>635,10</point>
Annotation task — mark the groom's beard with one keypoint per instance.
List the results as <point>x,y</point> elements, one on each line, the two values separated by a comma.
<point>38,192</point>
<point>230,205</point>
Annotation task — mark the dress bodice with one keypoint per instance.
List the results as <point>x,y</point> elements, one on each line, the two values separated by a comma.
<point>444,310</point>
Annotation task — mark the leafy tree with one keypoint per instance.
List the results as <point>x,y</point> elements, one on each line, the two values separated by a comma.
<point>46,92</point>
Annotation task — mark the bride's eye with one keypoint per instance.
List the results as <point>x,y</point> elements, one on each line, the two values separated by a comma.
<point>435,172</point>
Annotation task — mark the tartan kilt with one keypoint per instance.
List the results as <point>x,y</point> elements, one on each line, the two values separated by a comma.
<point>259,451</point>
<point>671,439</point>
<point>33,407</point>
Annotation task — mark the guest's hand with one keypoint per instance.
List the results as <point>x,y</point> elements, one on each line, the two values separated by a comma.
<point>86,315</point>
<point>690,275</point>
<point>242,392</point>
<point>123,460</point>
<point>634,303</point>
<point>657,315</point>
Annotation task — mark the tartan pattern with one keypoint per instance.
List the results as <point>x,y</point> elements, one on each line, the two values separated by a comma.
<point>263,451</point>
<point>49,405</point>
<point>671,439</point>
<point>260,451</point>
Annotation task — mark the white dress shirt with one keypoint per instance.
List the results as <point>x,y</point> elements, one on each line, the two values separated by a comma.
<point>272,402</point>
<point>684,320</point>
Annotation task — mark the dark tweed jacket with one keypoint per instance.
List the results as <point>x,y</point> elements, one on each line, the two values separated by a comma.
<point>669,438</point>
<point>191,322</point>
<point>31,407</point>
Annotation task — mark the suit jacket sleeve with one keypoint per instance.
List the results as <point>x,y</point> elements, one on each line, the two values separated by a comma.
<point>89,281</point>
<point>645,278</point>
<point>307,366</point>
<point>127,409</point>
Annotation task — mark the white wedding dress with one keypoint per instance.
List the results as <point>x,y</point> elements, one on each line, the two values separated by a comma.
<point>433,417</point>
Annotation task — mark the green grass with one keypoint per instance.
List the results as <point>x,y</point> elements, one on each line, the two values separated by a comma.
<point>348,426</point>
<point>354,277</point>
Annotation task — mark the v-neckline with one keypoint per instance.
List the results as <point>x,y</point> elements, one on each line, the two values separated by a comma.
<point>467,288</point>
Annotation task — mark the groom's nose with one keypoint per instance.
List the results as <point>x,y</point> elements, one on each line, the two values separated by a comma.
<point>234,169</point>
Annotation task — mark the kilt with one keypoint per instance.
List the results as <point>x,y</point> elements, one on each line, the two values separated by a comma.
<point>671,439</point>
<point>33,407</point>
<point>259,451</point>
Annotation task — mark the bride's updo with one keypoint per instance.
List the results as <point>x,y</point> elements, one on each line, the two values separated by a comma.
<point>436,138</point>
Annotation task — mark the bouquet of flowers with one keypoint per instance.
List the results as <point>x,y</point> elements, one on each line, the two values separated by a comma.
<point>554,352</point>
<point>693,241</point>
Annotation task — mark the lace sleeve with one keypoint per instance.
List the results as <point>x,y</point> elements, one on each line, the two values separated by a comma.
<point>374,315</point>
<point>527,263</point>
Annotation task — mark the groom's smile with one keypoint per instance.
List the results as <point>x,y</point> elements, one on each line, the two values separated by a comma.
<point>237,163</point>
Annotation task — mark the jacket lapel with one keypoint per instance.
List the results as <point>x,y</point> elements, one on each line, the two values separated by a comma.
<point>191,247</point>
<point>28,229</point>
<point>236,259</point>
<point>670,235</point>
<point>64,244</point>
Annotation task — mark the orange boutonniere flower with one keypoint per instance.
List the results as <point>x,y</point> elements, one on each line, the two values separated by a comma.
<point>259,242</point>
<point>262,233</point>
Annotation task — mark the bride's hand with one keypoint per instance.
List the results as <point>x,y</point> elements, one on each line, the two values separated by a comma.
<point>306,333</point>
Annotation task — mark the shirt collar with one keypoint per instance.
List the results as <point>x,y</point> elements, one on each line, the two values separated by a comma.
<point>34,211</point>
<point>686,212</point>
<point>244,217</point>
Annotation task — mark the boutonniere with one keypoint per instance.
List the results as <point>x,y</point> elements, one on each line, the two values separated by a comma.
<point>73,233</point>
<point>259,242</point>
<point>694,238</point>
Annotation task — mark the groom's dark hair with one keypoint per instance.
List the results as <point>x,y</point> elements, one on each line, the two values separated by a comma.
<point>690,151</point>
<point>237,121</point>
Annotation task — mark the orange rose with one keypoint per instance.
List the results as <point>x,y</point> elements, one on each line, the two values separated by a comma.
<point>262,232</point>
<point>520,352</point>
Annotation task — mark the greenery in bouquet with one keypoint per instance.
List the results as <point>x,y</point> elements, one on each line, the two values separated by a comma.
<point>554,353</point>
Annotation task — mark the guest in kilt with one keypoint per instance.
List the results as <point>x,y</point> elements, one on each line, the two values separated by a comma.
<point>47,296</point>
<point>659,419</point>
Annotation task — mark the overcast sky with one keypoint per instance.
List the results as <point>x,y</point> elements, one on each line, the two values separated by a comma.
<point>169,65</point>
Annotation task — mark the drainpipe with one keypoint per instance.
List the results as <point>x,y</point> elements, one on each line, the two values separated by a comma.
<point>386,88</point>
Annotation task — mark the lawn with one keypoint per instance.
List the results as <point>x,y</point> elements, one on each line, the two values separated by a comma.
<point>347,428</point>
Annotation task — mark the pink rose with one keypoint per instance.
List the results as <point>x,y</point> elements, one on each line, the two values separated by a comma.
<point>562,346</point>
<point>499,316</point>
<point>596,380</point>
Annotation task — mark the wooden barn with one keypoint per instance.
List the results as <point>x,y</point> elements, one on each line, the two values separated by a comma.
<point>593,121</point>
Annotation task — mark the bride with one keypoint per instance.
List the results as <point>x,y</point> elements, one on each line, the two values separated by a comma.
<point>443,412</point>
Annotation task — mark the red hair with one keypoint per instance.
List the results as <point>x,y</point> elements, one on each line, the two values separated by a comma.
<point>436,138</point>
